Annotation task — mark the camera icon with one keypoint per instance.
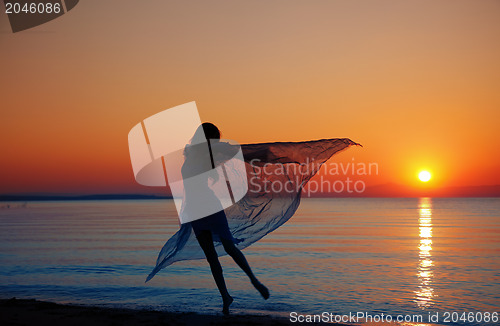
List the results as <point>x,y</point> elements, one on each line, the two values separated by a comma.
<point>205,175</point>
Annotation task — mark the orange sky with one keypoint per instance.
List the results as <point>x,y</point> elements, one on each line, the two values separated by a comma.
<point>416,82</point>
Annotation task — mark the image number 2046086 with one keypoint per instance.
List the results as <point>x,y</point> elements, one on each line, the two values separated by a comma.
<point>28,14</point>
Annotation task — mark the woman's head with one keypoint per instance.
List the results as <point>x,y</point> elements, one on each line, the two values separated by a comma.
<point>211,131</point>
<point>206,131</point>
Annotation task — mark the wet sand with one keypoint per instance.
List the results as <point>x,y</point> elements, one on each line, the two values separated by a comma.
<point>33,312</point>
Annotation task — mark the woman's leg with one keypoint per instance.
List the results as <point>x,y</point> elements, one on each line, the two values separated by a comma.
<point>206,243</point>
<point>240,259</point>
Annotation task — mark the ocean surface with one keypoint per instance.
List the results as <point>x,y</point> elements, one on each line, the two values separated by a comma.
<point>409,257</point>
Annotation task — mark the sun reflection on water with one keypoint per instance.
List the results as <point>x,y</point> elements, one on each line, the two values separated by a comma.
<point>425,293</point>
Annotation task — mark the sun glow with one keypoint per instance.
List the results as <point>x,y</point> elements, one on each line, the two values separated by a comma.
<point>424,176</point>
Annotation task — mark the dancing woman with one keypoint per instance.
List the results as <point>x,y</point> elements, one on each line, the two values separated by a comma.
<point>213,227</point>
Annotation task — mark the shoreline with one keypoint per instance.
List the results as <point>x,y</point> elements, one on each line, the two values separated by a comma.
<point>31,311</point>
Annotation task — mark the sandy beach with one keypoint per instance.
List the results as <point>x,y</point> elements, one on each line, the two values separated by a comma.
<point>33,312</point>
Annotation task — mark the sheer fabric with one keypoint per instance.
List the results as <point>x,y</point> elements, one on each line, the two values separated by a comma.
<point>277,173</point>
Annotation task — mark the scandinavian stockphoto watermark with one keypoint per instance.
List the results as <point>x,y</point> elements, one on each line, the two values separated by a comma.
<point>333,177</point>
<point>169,148</point>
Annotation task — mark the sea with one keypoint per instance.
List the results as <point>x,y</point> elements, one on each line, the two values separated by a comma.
<point>415,260</point>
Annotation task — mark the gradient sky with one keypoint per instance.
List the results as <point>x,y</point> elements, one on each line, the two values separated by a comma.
<point>416,82</point>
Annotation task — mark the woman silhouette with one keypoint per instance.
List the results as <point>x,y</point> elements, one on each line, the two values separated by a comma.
<point>213,227</point>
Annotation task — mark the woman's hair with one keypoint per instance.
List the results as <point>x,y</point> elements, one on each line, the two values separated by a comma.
<point>204,132</point>
<point>211,131</point>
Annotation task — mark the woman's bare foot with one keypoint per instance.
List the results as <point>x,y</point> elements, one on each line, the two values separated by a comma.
<point>226,303</point>
<point>264,292</point>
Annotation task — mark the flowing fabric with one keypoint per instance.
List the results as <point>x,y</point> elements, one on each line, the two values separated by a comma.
<point>277,173</point>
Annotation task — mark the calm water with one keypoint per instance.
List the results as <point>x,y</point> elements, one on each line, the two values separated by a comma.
<point>391,256</point>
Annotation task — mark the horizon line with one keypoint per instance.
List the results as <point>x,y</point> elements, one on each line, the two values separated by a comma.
<point>21,197</point>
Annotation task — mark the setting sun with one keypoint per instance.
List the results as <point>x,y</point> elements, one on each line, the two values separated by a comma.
<point>424,176</point>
